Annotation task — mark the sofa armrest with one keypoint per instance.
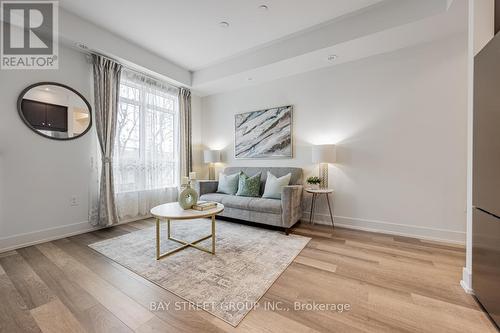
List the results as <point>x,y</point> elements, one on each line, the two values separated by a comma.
<point>291,204</point>
<point>206,186</point>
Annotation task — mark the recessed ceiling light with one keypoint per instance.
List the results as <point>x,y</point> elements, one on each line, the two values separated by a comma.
<point>47,89</point>
<point>332,57</point>
<point>264,7</point>
<point>224,24</point>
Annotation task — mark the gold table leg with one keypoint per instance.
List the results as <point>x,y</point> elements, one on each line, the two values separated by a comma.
<point>213,234</point>
<point>168,228</point>
<point>313,207</point>
<point>330,209</point>
<point>157,239</point>
<point>184,243</point>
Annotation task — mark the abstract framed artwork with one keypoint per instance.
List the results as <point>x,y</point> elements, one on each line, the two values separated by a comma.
<point>264,134</point>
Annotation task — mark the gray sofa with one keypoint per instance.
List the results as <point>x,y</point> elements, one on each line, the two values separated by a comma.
<point>282,213</point>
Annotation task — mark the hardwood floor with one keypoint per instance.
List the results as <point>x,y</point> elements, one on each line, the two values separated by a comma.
<point>392,284</point>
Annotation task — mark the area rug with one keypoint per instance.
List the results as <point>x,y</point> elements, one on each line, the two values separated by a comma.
<point>228,284</point>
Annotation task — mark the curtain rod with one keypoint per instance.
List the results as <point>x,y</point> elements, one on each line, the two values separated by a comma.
<point>87,51</point>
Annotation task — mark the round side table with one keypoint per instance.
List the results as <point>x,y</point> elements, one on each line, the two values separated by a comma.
<point>315,194</point>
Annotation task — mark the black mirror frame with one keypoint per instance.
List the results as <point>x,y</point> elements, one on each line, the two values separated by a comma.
<point>20,111</point>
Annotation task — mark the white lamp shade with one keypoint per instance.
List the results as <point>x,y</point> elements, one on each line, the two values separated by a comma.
<point>324,154</point>
<point>211,156</point>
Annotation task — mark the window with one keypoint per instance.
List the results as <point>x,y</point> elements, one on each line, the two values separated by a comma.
<point>146,152</point>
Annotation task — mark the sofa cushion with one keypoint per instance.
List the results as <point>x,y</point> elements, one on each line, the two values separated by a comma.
<point>252,204</point>
<point>274,185</point>
<point>217,197</point>
<point>234,201</point>
<point>265,205</point>
<point>296,178</point>
<point>249,186</point>
<point>228,184</point>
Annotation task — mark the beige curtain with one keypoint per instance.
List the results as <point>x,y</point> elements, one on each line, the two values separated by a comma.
<point>186,152</point>
<point>106,92</point>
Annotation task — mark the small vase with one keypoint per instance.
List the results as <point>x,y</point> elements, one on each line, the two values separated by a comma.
<point>314,186</point>
<point>188,197</point>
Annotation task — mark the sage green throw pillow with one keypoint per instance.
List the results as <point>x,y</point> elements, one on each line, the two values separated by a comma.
<point>274,185</point>
<point>228,184</point>
<point>248,186</point>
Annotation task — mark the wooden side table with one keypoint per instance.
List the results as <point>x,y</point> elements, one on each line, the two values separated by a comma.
<point>315,194</point>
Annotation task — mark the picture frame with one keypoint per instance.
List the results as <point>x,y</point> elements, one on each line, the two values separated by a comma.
<point>264,134</point>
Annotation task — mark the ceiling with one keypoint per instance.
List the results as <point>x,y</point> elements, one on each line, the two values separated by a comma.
<point>182,42</point>
<point>388,27</point>
<point>187,32</point>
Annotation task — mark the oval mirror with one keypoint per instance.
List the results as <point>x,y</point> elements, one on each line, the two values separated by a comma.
<point>55,111</point>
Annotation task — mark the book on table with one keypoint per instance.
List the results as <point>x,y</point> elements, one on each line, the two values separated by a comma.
<point>204,205</point>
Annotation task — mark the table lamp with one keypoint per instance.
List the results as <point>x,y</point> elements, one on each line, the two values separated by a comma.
<point>324,154</point>
<point>211,157</point>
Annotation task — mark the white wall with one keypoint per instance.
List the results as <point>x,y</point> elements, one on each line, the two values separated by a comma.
<point>400,122</point>
<point>38,176</point>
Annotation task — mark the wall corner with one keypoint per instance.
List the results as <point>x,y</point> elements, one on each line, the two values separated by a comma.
<point>466,281</point>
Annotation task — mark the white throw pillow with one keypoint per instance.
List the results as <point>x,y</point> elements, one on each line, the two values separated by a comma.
<point>274,185</point>
<point>228,184</point>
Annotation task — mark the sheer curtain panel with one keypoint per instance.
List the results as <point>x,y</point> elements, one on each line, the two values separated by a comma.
<point>147,148</point>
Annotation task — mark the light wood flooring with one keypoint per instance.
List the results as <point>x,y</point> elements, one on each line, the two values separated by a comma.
<point>393,284</point>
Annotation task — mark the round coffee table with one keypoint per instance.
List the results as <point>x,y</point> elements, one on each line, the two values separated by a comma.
<point>172,211</point>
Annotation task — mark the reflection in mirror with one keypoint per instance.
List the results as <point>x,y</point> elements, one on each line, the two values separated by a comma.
<point>55,111</point>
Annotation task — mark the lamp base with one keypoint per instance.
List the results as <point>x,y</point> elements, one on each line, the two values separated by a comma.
<point>211,172</point>
<point>323,175</point>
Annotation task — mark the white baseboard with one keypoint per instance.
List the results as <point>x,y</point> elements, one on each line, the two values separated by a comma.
<point>448,236</point>
<point>433,234</point>
<point>466,281</point>
<point>46,235</point>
